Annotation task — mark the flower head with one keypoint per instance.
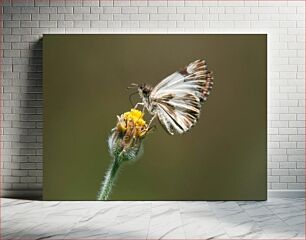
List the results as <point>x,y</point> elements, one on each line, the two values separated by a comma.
<point>128,134</point>
<point>133,123</point>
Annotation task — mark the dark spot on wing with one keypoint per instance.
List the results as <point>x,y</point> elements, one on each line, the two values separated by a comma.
<point>184,72</point>
<point>168,97</point>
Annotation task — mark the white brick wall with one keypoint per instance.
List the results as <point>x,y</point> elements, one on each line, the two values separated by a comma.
<point>24,22</point>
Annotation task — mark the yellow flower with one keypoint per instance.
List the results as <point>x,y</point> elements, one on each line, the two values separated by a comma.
<point>132,123</point>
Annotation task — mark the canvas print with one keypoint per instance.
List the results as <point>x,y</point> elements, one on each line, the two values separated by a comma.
<point>161,84</point>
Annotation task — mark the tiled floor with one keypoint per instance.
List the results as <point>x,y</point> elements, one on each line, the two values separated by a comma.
<point>272,219</point>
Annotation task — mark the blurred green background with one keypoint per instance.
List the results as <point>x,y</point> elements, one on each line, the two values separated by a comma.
<point>224,157</point>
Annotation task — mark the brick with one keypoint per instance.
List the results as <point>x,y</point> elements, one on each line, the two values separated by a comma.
<point>287,165</point>
<point>287,145</point>
<point>30,24</point>
<point>11,179</point>
<point>21,16</point>
<point>273,179</point>
<point>296,158</point>
<point>297,138</point>
<point>297,124</point>
<point>116,10</point>
<point>91,3</point>
<point>11,9</point>
<point>11,53</point>
<point>300,144</point>
<point>166,24</point>
<point>98,24</point>
<point>129,10</point>
<point>122,3</point>
<point>186,10</point>
<point>300,179</point>
<point>279,185</point>
<point>27,179</point>
<point>47,24</point>
<point>104,17</point>
<point>147,9</point>
<point>11,24</point>
<point>23,3</point>
<point>300,165</point>
<point>290,116</point>
<point>120,17</point>
<point>19,173</point>
<point>57,17</point>
<point>91,16</point>
<point>21,31</point>
<point>76,16</point>
<point>242,10</point>
<point>106,3</point>
<point>185,24</point>
<point>273,165</point>
<point>296,185</point>
<point>296,172</point>
<point>148,24</point>
<point>203,10</point>
<point>190,17</point>
<point>82,24</point>
<point>130,24</point>
<point>280,172</point>
<point>42,2</point>
<point>6,172</point>
<point>166,10</point>
<point>279,124</point>
<point>287,131</point>
<point>176,17</point>
<point>229,17</point>
<point>96,10</point>
<point>81,9</point>
<point>65,24</point>
<point>195,3</point>
<point>230,3</point>
<point>261,10</point>
<point>64,10</point>
<point>140,17</point>
<point>157,3</point>
<point>73,3</point>
<point>138,3</point>
<point>11,38</point>
<point>29,10</point>
<point>287,179</point>
<point>160,17</point>
<point>242,24</point>
<point>221,24</point>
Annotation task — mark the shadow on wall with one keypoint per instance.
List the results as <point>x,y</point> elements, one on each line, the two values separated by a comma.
<point>30,154</point>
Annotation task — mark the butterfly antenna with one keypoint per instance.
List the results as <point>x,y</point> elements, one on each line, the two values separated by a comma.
<point>133,85</point>
<point>130,97</point>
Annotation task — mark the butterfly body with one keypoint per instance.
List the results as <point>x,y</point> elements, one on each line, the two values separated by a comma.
<point>177,100</point>
<point>144,91</point>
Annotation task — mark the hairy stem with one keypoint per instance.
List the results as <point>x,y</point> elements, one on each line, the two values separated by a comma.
<point>109,179</point>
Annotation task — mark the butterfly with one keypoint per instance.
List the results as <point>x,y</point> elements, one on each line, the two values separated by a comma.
<point>177,100</point>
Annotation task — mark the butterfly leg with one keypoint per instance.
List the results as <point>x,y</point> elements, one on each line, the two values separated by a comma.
<point>151,120</point>
<point>140,103</point>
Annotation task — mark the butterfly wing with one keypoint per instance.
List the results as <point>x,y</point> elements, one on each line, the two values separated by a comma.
<point>178,98</point>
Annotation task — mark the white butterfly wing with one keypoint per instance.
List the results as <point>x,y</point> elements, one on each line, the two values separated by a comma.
<point>179,97</point>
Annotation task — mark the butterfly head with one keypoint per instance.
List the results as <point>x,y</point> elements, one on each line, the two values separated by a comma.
<point>144,90</point>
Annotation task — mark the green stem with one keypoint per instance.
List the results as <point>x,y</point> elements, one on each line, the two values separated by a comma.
<point>109,180</point>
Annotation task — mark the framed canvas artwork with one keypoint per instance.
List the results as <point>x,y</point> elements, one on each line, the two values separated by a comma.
<point>155,117</point>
